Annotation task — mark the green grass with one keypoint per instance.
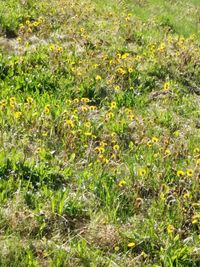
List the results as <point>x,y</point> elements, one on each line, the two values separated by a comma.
<point>99,133</point>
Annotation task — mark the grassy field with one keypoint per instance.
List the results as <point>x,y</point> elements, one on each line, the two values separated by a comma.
<point>100,133</point>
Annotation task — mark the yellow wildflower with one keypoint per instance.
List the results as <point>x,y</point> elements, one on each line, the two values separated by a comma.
<point>196,150</point>
<point>3,103</point>
<point>84,100</point>
<point>195,218</point>
<point>131,245</point>
<point>121,71</point>
<point>170,229</point>
<point>122,183</point>
<point>189,172</point>
<point>149,144</point>
<point>176,133</point>
<point>38,150</point>
<point>88,124</point>
<point>162,196</point>
<point>113,105</point>
<point>76,100</point>
<point>29,30</point>
<point>124,56</point>
<point>46,109</point>
<point>162,47</point>
<point>29,100</point>
<point>100,149</point>
<point>117,87</point>
<point>84,109</point>
<point>102,159</point>
<point>116,147</point>
<point>180,173</point>
<point>12,102</point>
<point>167,152</point>
<point>131,117</point>
<point>186,195</point>
<point>154,140</point>
<point>69,123</point>
<point>93,107</point>
<point>28,22</point>
<point>103,144</point>
<point>17,114</point>
<point>142,172</point>
<point>68,101</point>
<point>109,115</point>
<point>113,156</point>
<point>127,19</point>
<point>166,86</point>
<point>113,134</point>
<point>98,78</point>
<point>130,70</point>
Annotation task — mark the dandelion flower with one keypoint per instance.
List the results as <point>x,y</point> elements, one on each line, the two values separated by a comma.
<point>186,195</point>
<point>38,150</point>
<point>180,173</point>
<point>154,140</point>
<point>121,71</point>
<point>85,100</point>
<point>12,102</point>
<point>29,100</point>
<point>113,105</point>
<point>167,152</point>
<point>101,149</point>
<point>177,133</point>
<point>170,229</point>
<point>17,114</point>
<point>117,87</point>
<point>189,172</point>
<point>122,183</point>
<point>3,103</point>
<point>102,159</point>
<point>109,115</point>
<point>46,109</point>
<point>68,101</point>
<point>131,245</point>
<point>166,86</point>
<point>195,218</point>
<point>124,56</point>
<point>92,107</point>
<point>84,109</point>
<point>69,123</point>
<point>116,147</point>
<point>103,144</point>
<point>131,117</point>
<point>196,150</point>
<point>149,144</point>
<point>130,70</point>
<point>98,78</point>
<point>142,172</point>
<point>76,100</point>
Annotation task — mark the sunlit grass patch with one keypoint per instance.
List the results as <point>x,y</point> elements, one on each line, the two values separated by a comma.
<point>99,133</point>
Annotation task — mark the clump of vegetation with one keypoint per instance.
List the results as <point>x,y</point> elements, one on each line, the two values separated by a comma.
<point>99,133</point>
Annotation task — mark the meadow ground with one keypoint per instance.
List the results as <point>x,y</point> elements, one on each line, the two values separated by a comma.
<point>100,133</point>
